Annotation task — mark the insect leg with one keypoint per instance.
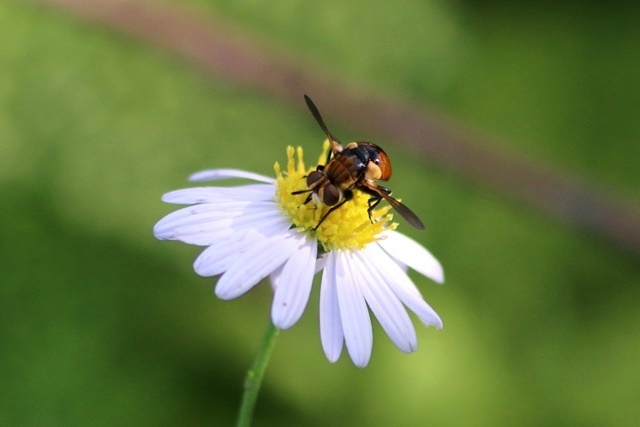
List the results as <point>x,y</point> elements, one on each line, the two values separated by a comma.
<point>373,202</point>
<point>347,195</point>
<point>376,198</point>
<point>308,199</point>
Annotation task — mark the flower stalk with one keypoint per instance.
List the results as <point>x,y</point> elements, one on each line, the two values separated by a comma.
<point>254,377</point>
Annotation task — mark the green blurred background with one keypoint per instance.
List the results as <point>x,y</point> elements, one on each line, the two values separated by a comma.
<point>100,324</point>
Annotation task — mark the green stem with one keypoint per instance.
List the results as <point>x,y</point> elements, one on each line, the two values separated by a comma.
<point>254,376</point>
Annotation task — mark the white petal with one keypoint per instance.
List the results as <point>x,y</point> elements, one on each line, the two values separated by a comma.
<point>274,277</point>
<point>331,332</point>
<point>294,285</point>
<point>353,312</point>
<point>206,223</point>
<point>189,196</point>
<point>384,304</point>
<point>411,253</point>
<point>320,263</point>
<point>404,267</point>
<point>217,259</point>
<point>256,263</point>
<point>213,174</point>
<point>199,214</point>
<point>213,232</point>
<point>403,287</point>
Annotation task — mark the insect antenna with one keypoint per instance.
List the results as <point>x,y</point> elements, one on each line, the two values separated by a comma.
<point>336,147</point>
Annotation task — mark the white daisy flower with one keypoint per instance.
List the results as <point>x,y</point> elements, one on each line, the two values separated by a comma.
<point>259,230</point>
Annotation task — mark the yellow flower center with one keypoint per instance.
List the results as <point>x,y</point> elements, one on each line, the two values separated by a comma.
<point>348,226</point>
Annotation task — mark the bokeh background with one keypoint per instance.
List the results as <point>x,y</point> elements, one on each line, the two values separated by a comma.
<point>100,324</point>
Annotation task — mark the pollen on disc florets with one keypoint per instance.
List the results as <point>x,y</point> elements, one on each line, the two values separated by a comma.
<point>348,226</point>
